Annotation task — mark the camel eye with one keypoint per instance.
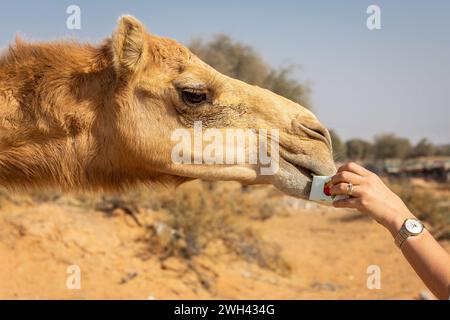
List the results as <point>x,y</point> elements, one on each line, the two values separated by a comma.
<point>193,97</point>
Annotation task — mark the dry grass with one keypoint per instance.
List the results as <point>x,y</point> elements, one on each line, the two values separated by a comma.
<point>205,214</point>
<point>201,218</point>
<point>429,203</point>
<point>184,223</point>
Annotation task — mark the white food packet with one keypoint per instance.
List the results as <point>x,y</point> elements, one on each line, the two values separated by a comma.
<point>319,184</point>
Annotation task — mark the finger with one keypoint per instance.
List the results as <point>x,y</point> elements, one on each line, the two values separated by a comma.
<point>355,168</point>
<point>346,176</point>
<point>353,203</point>
<point>342,188</point>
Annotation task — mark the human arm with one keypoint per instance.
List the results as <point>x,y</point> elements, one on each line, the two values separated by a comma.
<point>370,195</point>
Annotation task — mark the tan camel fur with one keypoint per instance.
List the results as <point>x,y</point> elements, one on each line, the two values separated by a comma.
<point>84,117</point>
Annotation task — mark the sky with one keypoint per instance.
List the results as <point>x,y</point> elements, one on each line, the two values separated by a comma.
<point>364,82</point>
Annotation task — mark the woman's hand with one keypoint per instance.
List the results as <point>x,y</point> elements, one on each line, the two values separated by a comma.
<point>370,195</point>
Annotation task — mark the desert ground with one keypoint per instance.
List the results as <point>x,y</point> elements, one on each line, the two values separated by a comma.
<point>200,241</point>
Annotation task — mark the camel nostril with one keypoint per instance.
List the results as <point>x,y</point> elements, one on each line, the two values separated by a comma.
<point>317,132</point>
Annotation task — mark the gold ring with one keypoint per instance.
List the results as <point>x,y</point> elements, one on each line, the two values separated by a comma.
<point>350,189</point>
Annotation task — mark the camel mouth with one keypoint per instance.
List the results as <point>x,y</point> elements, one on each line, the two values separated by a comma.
<point>302,163</point>
<point>297,171</point>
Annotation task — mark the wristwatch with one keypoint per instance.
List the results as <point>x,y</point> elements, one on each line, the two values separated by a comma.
<point>411,227</point>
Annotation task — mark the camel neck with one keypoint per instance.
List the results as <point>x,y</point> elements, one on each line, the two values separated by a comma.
<point>51,97</point>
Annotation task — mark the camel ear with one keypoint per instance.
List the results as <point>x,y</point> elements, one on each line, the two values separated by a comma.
<point>129,44</point>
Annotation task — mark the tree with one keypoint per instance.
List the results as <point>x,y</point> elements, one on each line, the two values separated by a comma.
<point>358,149</point>
<point>339,148</point>
<point>281,82</point>
<point>242,62</point>
<point>443,150</point>
<point>424,148</point>
<point>388,146</point>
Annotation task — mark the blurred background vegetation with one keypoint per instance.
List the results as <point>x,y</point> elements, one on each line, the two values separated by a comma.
<point>242,62</point>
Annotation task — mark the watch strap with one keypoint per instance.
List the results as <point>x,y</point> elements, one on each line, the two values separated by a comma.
<point>401,236</point>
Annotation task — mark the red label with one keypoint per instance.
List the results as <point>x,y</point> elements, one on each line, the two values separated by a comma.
<point>327,188</point>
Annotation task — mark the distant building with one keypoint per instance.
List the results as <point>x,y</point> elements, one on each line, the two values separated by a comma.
<point>435,168</point>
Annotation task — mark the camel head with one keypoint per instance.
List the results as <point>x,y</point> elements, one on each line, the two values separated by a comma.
<point>163,88</point>
<point>84,117</point>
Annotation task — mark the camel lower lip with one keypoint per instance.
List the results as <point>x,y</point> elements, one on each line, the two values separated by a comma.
<point>299,163</point>
<point>308,173</point>
<point>293,180</point>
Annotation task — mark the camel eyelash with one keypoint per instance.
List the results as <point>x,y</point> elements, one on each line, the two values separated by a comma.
<point>194,90</point>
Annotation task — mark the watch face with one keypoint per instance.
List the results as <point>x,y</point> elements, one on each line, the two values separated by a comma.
<point>413,226</point>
